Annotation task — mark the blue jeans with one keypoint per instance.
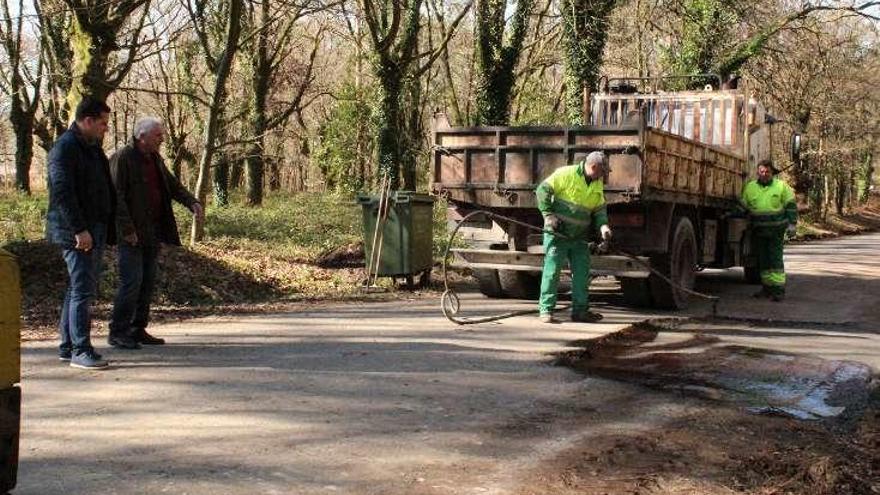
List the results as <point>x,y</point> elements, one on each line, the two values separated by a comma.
<point>137,274</point>
<point>84,270</point>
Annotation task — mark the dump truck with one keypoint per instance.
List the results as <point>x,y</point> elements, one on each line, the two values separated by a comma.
<point>677,163</point>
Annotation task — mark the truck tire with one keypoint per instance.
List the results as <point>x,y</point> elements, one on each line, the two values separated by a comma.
<point>488,281</point>
<point>636,291</point>
<point>679,264</point>
<point>517,284</point>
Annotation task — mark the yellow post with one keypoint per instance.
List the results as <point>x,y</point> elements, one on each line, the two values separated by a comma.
<point>10,370</point>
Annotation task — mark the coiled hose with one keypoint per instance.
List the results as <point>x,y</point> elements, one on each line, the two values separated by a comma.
<point>450,303</point>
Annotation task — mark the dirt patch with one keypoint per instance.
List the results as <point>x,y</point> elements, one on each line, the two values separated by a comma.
<point>350,256</point>
<point>191,283</point>
<point>865,218</point>
<point>716,446</point>
<point>717,450</point>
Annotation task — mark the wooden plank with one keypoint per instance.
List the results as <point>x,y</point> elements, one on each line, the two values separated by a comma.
<point>463,140</point>
<point>452,169</point>
<point>535,139</point>
<point>484,166</point>
<point>517,167</point>
<point>599,141</point>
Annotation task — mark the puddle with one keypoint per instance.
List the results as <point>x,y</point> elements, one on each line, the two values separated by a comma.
<point>762,381</point>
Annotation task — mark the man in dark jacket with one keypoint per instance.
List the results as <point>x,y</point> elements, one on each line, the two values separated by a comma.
<point>145,220</point>
<point>80,220</point>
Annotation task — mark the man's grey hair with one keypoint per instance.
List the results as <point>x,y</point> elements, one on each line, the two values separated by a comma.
<point>145,125</point>
<point>596,158</point>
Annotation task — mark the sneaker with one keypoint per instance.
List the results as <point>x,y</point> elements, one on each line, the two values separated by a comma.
<point>147,339</point>
<point>88,360</point>
<point>587,317</point>
<point>64,355</point>
<point>548,318</point>
<point>123,342</point>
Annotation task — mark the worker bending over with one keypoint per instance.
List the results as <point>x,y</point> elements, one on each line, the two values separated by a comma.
<point>572,201</point>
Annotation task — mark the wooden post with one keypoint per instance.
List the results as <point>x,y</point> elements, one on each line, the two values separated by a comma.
<point>587,107</point>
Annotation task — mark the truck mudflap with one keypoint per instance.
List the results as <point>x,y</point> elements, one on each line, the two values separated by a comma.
<point>618,266</point>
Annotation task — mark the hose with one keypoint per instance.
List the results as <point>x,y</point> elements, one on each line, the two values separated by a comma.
<point>450,302</point>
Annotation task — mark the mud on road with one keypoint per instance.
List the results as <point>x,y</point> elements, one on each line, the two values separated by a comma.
<point>748,433</point>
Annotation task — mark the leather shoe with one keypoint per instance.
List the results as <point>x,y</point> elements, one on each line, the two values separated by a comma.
<point>147,339</point>
<point>123,342</point>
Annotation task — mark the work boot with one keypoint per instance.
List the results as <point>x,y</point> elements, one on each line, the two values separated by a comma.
<point>145,338</point>
<point>777,297</point>
<point>586,317</point>
<point>120,342</point>
<point>88,360</point>
<point>548,318</point>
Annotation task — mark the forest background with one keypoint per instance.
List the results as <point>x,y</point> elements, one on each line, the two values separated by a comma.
<point>279,111</point>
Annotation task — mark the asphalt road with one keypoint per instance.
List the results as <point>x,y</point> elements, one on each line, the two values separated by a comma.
<point>390,398</point>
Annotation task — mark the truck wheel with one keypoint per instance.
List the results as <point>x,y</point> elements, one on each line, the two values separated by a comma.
<point>490,286</point>
<point>636,291</point>
<point>518,284</point>
<point>679,264</point>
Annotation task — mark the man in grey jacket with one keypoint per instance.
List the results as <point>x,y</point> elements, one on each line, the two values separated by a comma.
<point>144,220</point>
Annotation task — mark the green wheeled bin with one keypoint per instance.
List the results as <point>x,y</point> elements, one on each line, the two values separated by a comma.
<point>404,237</point>
<point>10,370</point>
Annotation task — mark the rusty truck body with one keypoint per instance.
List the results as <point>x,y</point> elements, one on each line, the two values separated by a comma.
<point>677,160</point>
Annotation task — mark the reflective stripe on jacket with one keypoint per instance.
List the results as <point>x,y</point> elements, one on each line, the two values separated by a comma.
<point>568,195</point>
<point>769,205</point>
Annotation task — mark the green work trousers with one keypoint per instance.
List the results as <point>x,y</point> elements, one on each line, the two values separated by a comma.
<point>767,245</point>
<point>556,252</point>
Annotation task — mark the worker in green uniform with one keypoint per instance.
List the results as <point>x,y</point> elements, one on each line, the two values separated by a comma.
<point>772,210</point>
<point>572,201</point>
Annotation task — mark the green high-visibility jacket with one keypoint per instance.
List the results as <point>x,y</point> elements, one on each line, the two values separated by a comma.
<point>769,205</point>
<point>578,203</point>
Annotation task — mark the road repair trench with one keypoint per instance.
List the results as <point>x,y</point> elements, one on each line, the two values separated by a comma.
<point>687,356</point>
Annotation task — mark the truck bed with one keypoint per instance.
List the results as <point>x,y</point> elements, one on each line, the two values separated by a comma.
<point>499,167</point>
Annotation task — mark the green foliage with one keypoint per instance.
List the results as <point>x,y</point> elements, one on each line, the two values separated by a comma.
<point>298,226</point>
<point>585,23</point>
<point>496,59</point>
<point>22,217</point>
<point>536,105</point>
<point>709,42</point>
<point>336,150</point>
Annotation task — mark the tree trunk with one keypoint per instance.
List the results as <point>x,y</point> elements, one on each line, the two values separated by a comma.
<point>497,61</point>
<point>388,121</point>
<point>261,69</point>
<point>214,113</point>
<point>869,177</point>
<point>90,58</point>
<point>24,153</point>
<point>586,29</point>
<point>255,172</point>
<point>411,138</point>
<point>274,175</point>
<point>221,181</point>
